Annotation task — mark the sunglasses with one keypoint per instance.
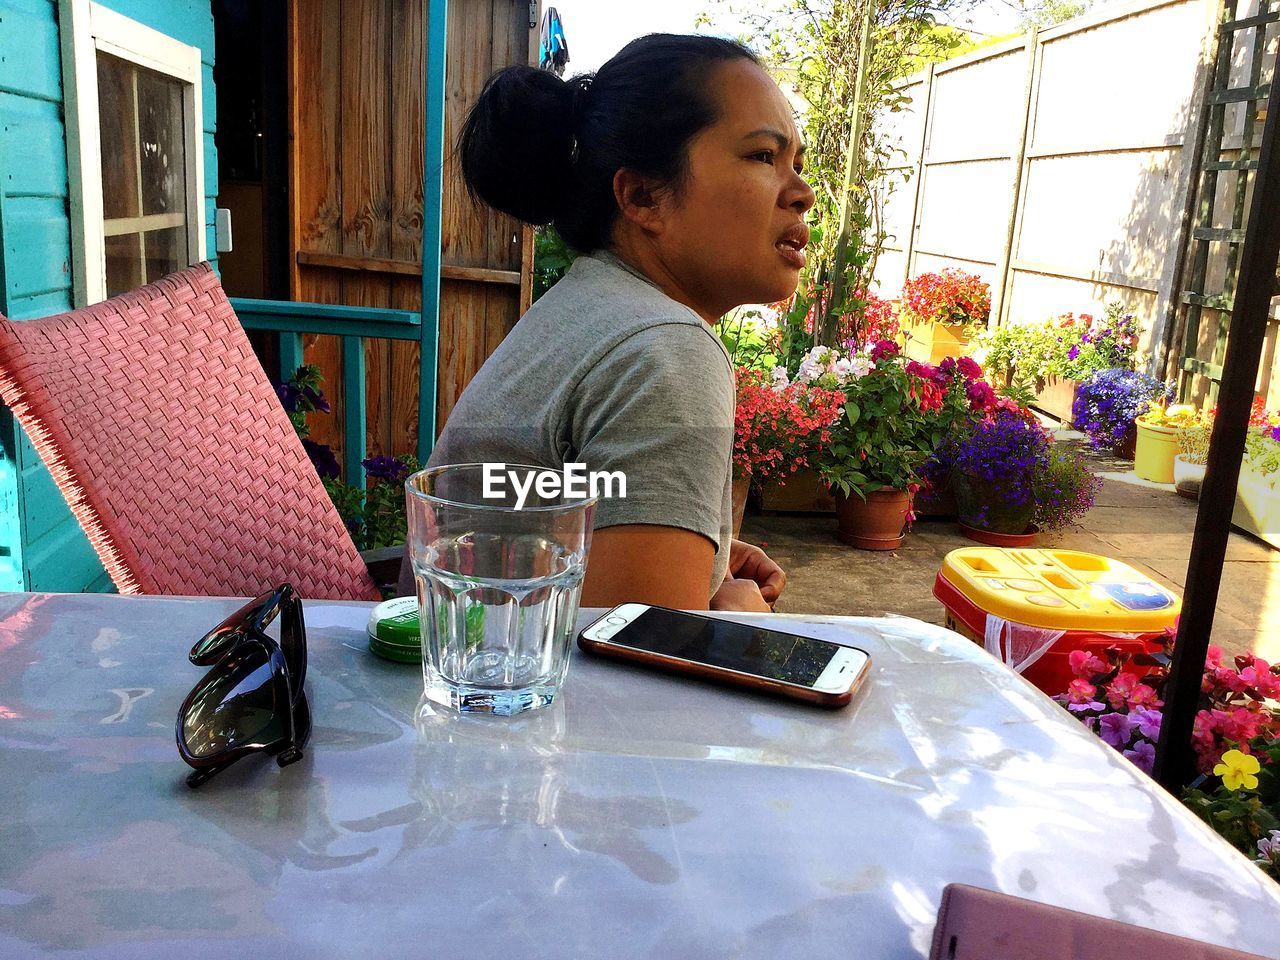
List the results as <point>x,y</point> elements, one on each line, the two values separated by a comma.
<point>252,701</point>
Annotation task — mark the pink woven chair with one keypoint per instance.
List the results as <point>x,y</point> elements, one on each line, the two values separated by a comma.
<point>160,428</point>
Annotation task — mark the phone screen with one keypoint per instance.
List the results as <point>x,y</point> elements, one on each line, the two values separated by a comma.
<point>734,646</point>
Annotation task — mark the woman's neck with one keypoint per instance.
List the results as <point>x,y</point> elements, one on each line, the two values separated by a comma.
<point>645,259</point>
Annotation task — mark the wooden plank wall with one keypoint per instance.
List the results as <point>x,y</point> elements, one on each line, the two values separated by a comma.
<point>357,79</point>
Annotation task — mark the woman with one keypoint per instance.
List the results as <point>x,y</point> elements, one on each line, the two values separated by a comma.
<point>676,169</point>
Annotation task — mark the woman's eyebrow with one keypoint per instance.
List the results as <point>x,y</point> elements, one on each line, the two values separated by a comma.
<point>783,140</point>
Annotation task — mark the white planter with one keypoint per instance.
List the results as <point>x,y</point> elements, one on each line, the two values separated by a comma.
<point>1257,509</point>
<point>1187,477</point>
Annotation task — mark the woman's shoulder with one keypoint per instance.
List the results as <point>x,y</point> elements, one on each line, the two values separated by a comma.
<point>607,305</point>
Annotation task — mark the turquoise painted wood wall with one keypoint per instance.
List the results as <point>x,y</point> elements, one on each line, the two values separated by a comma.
<point>41,545</point>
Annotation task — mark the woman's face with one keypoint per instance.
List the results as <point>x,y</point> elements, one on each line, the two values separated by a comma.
<point>735,232</point>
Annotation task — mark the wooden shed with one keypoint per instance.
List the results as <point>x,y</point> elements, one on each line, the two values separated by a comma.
<point>325,127</point>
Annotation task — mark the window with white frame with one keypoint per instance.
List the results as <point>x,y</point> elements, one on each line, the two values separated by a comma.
<point>134,141</point>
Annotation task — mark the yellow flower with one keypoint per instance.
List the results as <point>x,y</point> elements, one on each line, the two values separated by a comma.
<point>1237,770</point>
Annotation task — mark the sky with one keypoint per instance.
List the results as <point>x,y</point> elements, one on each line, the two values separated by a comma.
<point>597,29</point>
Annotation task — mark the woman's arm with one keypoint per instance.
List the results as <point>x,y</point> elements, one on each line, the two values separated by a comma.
<point>664,566</point>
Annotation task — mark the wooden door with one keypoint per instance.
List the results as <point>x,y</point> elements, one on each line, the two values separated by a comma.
<point>357,79</point>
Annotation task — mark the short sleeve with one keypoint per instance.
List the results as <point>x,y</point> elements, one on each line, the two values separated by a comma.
<point>659,408</point>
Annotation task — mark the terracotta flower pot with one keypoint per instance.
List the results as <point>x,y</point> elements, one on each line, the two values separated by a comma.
<point>878,523</point>
<point>988,505</point>
<point>937,502</point>
<point>741,485</point>
<point>993,539</point>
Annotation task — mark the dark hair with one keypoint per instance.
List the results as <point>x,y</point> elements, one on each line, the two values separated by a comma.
<point>545,150</point>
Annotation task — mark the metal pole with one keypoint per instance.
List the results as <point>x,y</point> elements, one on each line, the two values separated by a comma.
<point>825,333</point>
<point>432,200</point>
<point>1174,759</point>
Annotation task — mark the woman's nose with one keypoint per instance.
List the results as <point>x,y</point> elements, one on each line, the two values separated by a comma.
<point>799,195</point>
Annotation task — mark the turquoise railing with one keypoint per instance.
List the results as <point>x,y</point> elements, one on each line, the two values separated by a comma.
<point>290,320</point>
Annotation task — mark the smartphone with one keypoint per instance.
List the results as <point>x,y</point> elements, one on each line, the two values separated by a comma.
<point>725,651</point>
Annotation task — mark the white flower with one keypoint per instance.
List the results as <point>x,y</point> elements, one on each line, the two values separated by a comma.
<point>860,366</point>
<point>810,370</point>
<point>780,378</point>
<point>842,367</point>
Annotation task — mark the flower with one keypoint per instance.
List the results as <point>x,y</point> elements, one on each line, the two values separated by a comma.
<point>860,366</point>
<point>321,456</point>
<point>1238,770</point>
<point>1108,403</point>
<point>1269,848</point>
<point>842,367</point>
<point>951,296</point>
<point>969,368</point>
<point>1148,722</point>
<point>289,396</point>
<point>883,348</point>
<point>389,469</point>
<point>1116,729</point>
<point>1085,663</point>
<point>1143,755</point>
<point>779,377</point>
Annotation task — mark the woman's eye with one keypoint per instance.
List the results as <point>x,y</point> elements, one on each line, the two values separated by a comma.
<point>765,156</point>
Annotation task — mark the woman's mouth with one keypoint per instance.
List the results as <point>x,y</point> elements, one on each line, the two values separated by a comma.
<point>790,245</point>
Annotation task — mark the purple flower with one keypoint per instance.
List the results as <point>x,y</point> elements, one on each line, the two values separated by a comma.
<point>289,396</point>
<point>1073,353</point>
<point>317,399</point>
<point>390,469</point>
<point>1148,722</point>
<point>1143,756</point>
<point>1116,728</point>
<point>322,459</point>
<point>1082,707</point>
<point>1108,403</point>
<point>1275,433</point>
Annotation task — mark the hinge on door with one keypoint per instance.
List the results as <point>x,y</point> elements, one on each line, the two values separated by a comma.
<point>533,13</point>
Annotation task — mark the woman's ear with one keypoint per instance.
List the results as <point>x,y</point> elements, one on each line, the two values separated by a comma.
<point>640,200</point>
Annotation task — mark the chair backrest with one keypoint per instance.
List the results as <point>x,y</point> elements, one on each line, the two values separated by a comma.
<point>160,428</point>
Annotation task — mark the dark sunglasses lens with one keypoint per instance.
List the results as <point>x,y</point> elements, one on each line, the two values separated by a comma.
<point>235,707</point>
<point>216,642</point>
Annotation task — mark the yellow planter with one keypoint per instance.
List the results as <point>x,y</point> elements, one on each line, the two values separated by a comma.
<point>1154,453</point>
<point>933,342</point>
<point>1257,509</point>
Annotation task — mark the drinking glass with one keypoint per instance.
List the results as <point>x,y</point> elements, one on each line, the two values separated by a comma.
<point>498,584</point>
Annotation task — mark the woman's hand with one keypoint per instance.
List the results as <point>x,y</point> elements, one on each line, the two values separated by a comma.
<point>740,595</point>
<point>749,562</point>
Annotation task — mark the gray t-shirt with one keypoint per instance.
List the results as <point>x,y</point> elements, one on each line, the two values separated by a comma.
<point>607,370</point>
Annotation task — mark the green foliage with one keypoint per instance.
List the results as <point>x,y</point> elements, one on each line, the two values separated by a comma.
<point>1049,13</point>
<point>746,337</point>
<point>1243,817</point>
<point>551,258</point>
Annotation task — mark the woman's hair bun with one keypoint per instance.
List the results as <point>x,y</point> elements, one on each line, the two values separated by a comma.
<point>517,143</point>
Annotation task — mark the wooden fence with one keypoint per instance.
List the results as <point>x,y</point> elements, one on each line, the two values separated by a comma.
<point>1059,167</point>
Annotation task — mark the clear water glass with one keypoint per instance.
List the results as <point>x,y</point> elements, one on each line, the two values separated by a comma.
<point>498,585</point>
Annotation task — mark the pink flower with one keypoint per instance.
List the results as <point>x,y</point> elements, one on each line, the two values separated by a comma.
<point>969,367</point>
<point>1143,696</point>
<point>883,348</point>
<point>1081,691</point>
<point>1121,689</point>
<point>1084,663</point>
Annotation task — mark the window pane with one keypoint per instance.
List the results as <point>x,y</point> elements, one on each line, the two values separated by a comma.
<point>166,251</point>
<point>164,168</point>
<point>119,142</point>
<point>124,264</point>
